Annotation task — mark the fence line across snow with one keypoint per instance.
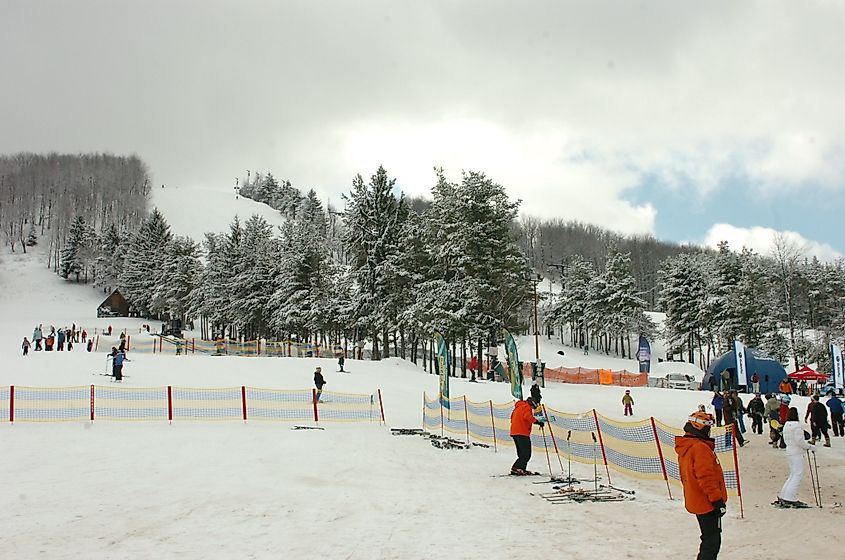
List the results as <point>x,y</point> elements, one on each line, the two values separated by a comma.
<point>643,449</point>
<point>95,402</point>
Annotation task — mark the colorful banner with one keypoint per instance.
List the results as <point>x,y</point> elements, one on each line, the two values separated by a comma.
<point>741,375</point>
<point>441,362</point>
<point>644,355</point>
<point>513,365</point>
<point>836,360</point>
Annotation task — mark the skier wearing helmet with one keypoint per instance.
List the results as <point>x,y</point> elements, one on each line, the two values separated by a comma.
<point>705,494</point>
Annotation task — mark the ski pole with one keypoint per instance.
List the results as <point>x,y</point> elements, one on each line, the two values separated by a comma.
<point>595,463</point>
<point>546,447</point>
<point>818,482</point>
<point>812,479</point>
<point>569,457</point>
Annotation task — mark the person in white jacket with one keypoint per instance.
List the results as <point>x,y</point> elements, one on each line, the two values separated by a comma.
<point>796,447</point>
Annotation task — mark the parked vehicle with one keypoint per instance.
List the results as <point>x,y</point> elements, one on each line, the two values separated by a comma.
<point>679,381</point>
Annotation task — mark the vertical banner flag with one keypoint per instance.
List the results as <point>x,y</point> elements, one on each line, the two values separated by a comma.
<point>836,360</point>
<point>644,355</point>
<point>441,361</point>
<point>513,365</point>
<point>739,352</point>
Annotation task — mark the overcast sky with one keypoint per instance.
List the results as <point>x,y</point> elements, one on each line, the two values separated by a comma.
<point>693,121</point>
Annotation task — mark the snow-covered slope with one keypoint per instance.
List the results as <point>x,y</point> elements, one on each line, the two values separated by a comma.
<point>219,490</point>
<point>194,212</point>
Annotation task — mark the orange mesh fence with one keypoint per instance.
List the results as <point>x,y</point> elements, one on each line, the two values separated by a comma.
<point>585,376</point>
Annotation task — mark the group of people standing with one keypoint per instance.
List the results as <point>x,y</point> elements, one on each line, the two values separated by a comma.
<point>56,339</point>
<point>729,410</point>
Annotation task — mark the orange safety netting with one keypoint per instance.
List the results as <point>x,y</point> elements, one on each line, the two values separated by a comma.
<point>586,376</point>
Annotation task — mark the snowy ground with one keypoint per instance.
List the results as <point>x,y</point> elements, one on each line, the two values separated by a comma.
<point>259,490</point>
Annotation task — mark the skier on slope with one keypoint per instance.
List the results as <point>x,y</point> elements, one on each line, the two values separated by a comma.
<point>118,357</point>
<point>756,409</point>
<point>522,418</point>
<point>793,435</point>
<point>628,403</point>
<point>705,494</point>
<point>319,381</point>
<point>536,396</point>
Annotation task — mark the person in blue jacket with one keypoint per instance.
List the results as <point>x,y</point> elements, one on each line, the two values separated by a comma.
<point>718,402</point>
<point>836,415</point>
<point>117,364</point>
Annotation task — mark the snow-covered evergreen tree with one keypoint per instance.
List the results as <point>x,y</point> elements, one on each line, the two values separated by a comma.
<point>180,277</point>
<point>144,262</point>
<point>77,249</point>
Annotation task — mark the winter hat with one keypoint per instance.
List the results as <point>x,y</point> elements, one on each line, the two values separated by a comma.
<point>319,368</point>
<point>531,402</point>
<point>785,399</point>
<point>701,420</point>
<point>627,390</point>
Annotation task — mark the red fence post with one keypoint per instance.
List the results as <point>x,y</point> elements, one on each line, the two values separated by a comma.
<point>493,425</point>
<point>12,404</point>
<point>381,407</point>
<point>736,468</point>
<point>601,443</point>
<point>92,403</point>
<point>243,400</point>
<point>466,417</point>
<point>170,404</point>
<point>660,453</point>
<point>314,402</point>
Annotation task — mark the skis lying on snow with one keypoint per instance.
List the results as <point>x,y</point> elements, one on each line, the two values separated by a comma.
<point>783,504</point>
<point>307,428</point>
<point>579,495</point>
<point>527,473</point>
<point>407,431</point>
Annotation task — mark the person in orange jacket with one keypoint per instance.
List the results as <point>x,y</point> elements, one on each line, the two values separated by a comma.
<point>522,418</point>
<point>705,494</point>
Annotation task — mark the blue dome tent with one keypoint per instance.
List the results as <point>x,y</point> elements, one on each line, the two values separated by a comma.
<point>768,368</point>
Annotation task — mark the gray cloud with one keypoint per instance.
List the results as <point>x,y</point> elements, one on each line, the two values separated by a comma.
<point>592,96</point>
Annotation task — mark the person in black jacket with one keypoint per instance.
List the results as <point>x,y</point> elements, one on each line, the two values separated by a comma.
<point>756,410</point>
<point>818,421</point>
<point>319,381</point>
<point>535,393</point>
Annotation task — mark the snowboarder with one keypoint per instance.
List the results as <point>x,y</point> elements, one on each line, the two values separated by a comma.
<point>793,435</point>
<point>536,396</point>
<point>718,402</point>
<point>319,381</point>
<point>25,346</point>
<point>628,403</point>
<point>756,410</point>
<point>117,364</point>
<point>522,418</point>
<point>705,494</point>
<point>340,362</point>
<point>836,415</point>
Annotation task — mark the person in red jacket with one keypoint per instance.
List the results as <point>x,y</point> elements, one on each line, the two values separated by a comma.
<point>705,494</point>
<point>522,418</point>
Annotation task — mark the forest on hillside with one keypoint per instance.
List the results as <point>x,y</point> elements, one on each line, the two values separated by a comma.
<point>391,270</point>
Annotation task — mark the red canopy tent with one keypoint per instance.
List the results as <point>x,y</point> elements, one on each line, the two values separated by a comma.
<point>807,374</point>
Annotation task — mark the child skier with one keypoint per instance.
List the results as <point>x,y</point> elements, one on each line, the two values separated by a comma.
<point>319,381</point>
<point>25,346</point>
<point>628,403</point>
